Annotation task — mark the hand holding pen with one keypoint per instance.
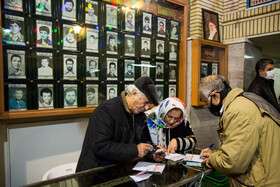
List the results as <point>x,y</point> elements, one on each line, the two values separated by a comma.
<point>205,154</point>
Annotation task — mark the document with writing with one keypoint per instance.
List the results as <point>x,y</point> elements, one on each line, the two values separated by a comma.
<point>149,166</point>
<point>175,157</point>
<point>193,158</point>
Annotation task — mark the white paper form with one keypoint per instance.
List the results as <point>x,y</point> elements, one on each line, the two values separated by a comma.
<point>149,166</point>
<point>193,158</point>
<point>175,157</point>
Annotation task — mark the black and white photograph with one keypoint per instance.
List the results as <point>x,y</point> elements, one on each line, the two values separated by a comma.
<point>45,96</point>
<point>44,7</point>
<point>91,10</point>
<point>70,67</point>
<point>112,91</point>
<point>111,16</point>
<point>17,97</point>
<point>112,69</point>
<point>160,91</point>
<point>174,30</point>
<point>16,64</point>
<point>159,49</point>
<point>92,71</point>
<point>203,70</point>
<point>161,32</point>
<point>92,40</point>
<point>173,51</point>
<point>145,47</point>
<point>172,90</point>
<point>145,68</point>
<point>129,70</point>
<point>172,72</point>
<point>15,5</point>
<point>92,95</point>
<point>129,19</point>
<point>70,95</point>
<point>215,69</point>
<point>14,30</point>
<point>45,65</point>
<point>147,23</point>
<point>129,45</point>
<point>159,71</point>
<point>69,37</point>
<point>44,34</point>
<point>112,42</point>
<point>69,9</point>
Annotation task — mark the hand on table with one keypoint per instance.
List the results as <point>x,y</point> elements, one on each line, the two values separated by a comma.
<point>172,147</point>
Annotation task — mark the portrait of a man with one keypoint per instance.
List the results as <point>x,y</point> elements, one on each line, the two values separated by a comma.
<point>129,47</point>
<point>92,40</point>
<point>111,46</point>
<point>92,68</point>
<point>172,72</point>
<point>91,12</point>
<point>145,50</point>
<point>69,9</point>
<point>15,25</point>
<point>159,71</point>
<point>69,64</point>
<point>214,69</point>
<point>129,70</point>
<point>161,27</point>
<point>17,99</point>
<point>69,38</point>
<point>15,5</point>
<point>45,67</point>
<point>111,92</point>
<point>172,92</point>
<point>160,92</point>
<point>111,70</point>
<point>204,70</point>
<point>147,23</point>
<point>16,65</point>
<point>45,98</point>
<point>145,68</point>
<point>70,96</point>
<point>174,33</point>
<point>210,25</point>
<point>160,49</point>
<point>92,96</point>
<point>44,36</point>
<point>173,51</point>
<point>130,20</point>
<point>43,7</point>
<point>111,16</point>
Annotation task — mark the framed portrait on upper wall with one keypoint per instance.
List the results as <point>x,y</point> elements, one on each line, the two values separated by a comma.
<point>215,69</point>
<point>129,19</point>
<point>15,24</point>
<point>91,11</point>
<point>161,31</point>
<point>68,8</point>
<point>92,71</point>
<point>15,5</point>
<point>92,40</point>
<point>129,45</point>
<point>173,51</point>
<point>16,64</point>
<point>159,49</point>
<point>129,70</point>
<point>112,69</point>
<point>160,91</point>
<point>204,70</point>
<point>111,42</point>
<point>44,7</point>
<point>69,37</point>
<point>159,71</point>
<point>174,30</point>
<point>147,23</point>
<point>45,65</point>
<point>69,67</point>
<point>145,68</point>
<point>211,25</point>
<point>172,72</point>
<point>145,47</point>
<point>111,16</point>
<point>44,34</point>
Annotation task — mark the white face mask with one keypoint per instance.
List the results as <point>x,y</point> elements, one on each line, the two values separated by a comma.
<point>269,74</point>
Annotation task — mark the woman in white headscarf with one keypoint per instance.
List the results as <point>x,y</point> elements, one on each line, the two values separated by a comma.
<point>169,126</point>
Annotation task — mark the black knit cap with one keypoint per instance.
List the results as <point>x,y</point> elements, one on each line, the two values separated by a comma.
<point>146,85</point>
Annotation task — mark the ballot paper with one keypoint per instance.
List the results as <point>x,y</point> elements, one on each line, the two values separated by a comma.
<point>175,157</point>
<point>149,167</point>
<point>193,158</point>
<point>141,176</point>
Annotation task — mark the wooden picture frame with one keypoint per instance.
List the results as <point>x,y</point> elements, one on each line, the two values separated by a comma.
<point>211,25</point>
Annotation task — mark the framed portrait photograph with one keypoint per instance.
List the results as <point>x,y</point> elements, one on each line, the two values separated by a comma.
<point>44,7</point>
<point>92,40</point>
<point>69,67</point>
<point>45,65</point>
<point>15,25</point>
<point>211,25</point>
<point>147,23</point>
<point>172,90</point>
<point>91,11</point>
<point>159,49</point>
<point>174,30</point>
<point>172,72</point>
<point>173,51</point>
<point>160,91</point>
<point>45,96</point>
<point>69,37</point>
<point>203,70</point>
<point>129,45</point>
<point>17,97</point>
<point>68,9</point>
<point>111,16</point>
<point>159,71</point>
<point>44,34</point>
<point>129,19</point>
<point>112,91</point>
<point>111,42</point>
<point>70,95</point>
<point>112,69</point>
<point>92,95</point>
<point>215,69</point>
<point>161,31</point>
<point>15,5</point>
<point>145,47</point>
<point>92,70</point>
<point>145,68</point>
<point>129,70</point>
<point>16,64</point>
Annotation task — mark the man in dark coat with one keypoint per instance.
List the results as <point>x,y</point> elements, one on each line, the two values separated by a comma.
<point>117,131</point>
<point>263,84</point>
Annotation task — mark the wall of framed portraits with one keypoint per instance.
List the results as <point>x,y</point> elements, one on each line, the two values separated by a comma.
<point>78,53</point>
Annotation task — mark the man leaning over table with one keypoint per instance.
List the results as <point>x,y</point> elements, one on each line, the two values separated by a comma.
<point>117,130</point>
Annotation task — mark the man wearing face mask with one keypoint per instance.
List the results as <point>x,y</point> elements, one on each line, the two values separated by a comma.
<point>249,132</point>
<point>263,84</point>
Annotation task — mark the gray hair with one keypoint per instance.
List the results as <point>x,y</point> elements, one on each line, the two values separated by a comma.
<point>212,83</point>
<point>129,89</point>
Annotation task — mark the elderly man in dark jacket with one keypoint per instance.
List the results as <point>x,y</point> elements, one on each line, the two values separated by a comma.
<point>117,127</point>
<point>263,84</point>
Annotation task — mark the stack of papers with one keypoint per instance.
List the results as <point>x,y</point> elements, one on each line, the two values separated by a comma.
<point>149,166</point>
<point>175,157</point>
<point>193,160</point>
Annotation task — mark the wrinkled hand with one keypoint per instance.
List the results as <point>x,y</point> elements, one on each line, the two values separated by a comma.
<point>159,157</point>
<point>143,149</point>
<point>172,147</point>
<point>205,154</point>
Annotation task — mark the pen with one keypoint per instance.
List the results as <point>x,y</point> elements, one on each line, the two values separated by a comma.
<point>211,146</point>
